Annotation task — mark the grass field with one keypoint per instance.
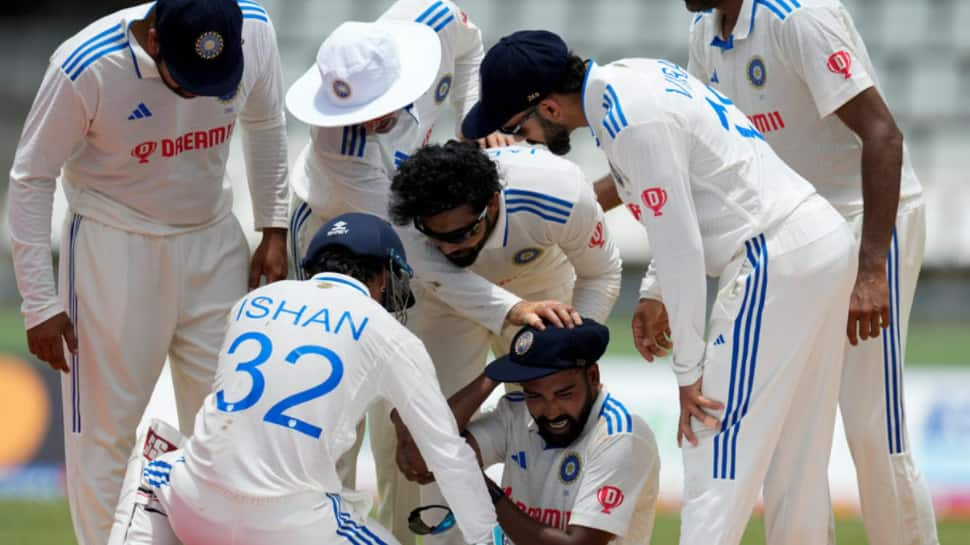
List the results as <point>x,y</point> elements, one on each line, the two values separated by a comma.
<point>23,523</point>
<point>48,523</point>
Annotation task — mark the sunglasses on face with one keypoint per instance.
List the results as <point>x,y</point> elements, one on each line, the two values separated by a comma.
<point>516,130</point>
<point>436,512</point>
<point>458,235</point>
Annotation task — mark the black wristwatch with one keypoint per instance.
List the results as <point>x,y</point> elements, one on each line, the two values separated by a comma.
<point>494,490</point>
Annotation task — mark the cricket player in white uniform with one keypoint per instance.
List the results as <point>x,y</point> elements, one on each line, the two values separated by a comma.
<point>801,72</point>
<point>371,99</point>
<point>579,467</point>
<point>713,198</point>
<point>152,258</point>
<point>300,364</point>
<point>519,217</point>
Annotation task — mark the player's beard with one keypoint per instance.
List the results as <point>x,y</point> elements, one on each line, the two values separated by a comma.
<point>701,5</point>
<point>555,136</point>
<point>575,427</point>
<point>468,256</point>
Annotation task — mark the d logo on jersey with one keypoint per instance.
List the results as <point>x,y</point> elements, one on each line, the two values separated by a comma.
<point>598,240</point>
<point>442,89</point>
<point>654,198</point>
<point>840,62</point>
<point>610,497</point>
<point>144,150</point>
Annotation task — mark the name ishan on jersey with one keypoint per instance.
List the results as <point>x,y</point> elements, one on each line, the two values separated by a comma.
<point>331,321</point>
<point>192,140</point>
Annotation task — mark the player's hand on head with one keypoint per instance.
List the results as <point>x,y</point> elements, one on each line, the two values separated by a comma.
<point>538,313</point>
<point>269,259</point>
<point>497,140</point>
<point>868,305</point>
<point>693,404</point>
<point>46,341</point>
<point>651,329</point>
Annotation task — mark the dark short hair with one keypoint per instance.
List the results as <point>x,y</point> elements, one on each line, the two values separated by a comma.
<point>572,80</point>
<point>442,177</point>
<point>340,260</point>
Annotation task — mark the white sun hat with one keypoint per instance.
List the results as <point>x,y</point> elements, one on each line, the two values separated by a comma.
<point>365,71</point>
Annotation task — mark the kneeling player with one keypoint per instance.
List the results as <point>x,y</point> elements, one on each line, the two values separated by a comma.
<point>579,467</point>
<point>301,362</point>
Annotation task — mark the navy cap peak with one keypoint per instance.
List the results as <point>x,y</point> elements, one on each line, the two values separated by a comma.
<point>537,353</point>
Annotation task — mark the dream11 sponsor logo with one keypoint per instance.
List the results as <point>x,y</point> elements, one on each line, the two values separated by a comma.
<point>193,140</point>
<point>840,62</point>
<point>654,198</point>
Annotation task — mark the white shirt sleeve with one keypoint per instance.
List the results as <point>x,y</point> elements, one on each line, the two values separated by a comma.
<point>819,46</point>
<point>655,157</point>
<point>491,431</point>
<point>588,244</point>
<point>410,385</point>
<point>264,134</point>
<point>54,128</point>
<point>467,40</point>
<point>650,285</point>
<point>617,470</point>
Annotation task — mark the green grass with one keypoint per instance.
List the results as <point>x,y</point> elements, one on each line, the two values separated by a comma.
<point>48,523</point>
<point>929,343</point>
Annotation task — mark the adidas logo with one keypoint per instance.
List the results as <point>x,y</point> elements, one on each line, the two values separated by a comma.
<point>719,340</point>
<point>519,458</point>
<point>714,78</point>
<point>140,112</point>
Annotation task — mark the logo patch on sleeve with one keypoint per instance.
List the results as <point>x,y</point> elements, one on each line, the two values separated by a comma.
<point>610,497</point>
<point>840,62</point>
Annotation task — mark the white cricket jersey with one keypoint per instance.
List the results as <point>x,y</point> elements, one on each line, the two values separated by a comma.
<point>789,65</point>
<point>607,479</point>
<point>301,363</point>
<point>695,173</point>
<point>135,155</point>
<point>550,230</point>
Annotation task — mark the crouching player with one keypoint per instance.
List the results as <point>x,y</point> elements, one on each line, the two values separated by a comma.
<point>301,362</point>
<point>579,467</point>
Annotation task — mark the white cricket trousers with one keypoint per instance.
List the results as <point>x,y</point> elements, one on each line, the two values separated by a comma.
<point>897,508</point>
<point>774,358</point>
<point>173,507</point>
<point>135,299</point>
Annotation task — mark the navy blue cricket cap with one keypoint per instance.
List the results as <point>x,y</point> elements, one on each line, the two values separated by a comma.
<point>201,44</point>
<point>535,354</point>
<point>517,72</point>
<point>362,234</point>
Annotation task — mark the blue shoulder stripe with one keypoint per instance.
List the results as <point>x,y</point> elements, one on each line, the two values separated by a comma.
<point>536,203</point>
<point>610,417</point>
<point>89,41</point>
<point>109,48</point>
<point>533,211</point>
<point>539,196</point>
<point>425,13</point>
<point>253,10</point>
<point>781,8</point>
<point>354,139</point>
<point>626,421</point>
<point>437,16</point>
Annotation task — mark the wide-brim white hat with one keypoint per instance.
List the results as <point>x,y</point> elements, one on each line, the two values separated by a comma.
<point>365,71</point>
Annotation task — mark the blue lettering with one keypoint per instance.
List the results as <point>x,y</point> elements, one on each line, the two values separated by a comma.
<point>282,309</point>
<point>255,304</point>
<point>676,76</point>
<point>356,332</point>
<point>242,305</point>
<point>315,319</point>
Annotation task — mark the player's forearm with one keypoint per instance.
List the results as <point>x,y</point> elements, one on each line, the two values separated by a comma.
<point>882,158</point>
<point>31,202</point>
<point>521,528</point>
<point>469,399</point>
<point>265,149</point>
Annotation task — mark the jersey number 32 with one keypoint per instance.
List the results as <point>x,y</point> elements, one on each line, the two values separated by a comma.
<point>275,414</point>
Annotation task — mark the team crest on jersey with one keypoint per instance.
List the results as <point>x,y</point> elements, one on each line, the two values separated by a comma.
<point>570,468</point>
<point>209,45</point>
<point>757,74</point>
<point>526,255</point>
<point>341,89</point>
<point>442,89</point>
<point>523,343</point>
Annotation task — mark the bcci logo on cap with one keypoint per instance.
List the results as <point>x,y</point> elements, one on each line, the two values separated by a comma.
<point>341,89</point>
<point>209,45</point>
<point>339,228</point>
<point>143,151</point>
<point>523,343</point>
